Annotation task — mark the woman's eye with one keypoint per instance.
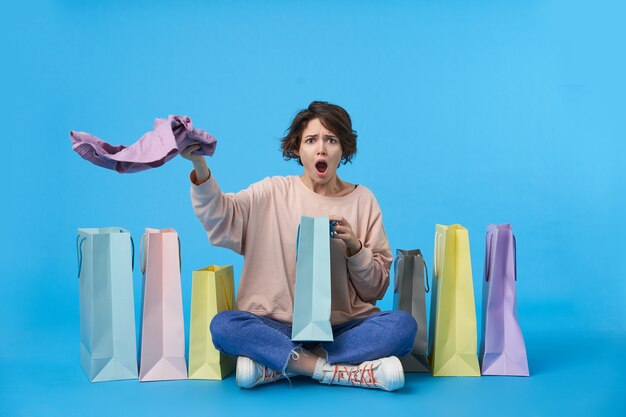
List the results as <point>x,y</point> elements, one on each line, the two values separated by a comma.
<point>309,140</point>
<point>332,140</point>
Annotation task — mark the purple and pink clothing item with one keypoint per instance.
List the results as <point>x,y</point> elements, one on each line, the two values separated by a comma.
<point>166,140</point>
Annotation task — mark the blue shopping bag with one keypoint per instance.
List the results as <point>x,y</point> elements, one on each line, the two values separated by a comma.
<point>108,347</point>
<point>312,299</point>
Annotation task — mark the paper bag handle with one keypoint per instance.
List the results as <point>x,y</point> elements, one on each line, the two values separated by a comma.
<point>229,295</point>
<point>425,273</point>
<point>514,255</point>
<point>180,258</point>
<point>438,254</point>
<point>79,250</point>
<point>142,253</point>
<point>395,270</point>
<point>132,254</point>
<point>487,256</point>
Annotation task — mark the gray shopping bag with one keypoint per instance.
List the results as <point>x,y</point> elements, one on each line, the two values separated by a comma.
<point>410,295</point>
<point>312,299</point>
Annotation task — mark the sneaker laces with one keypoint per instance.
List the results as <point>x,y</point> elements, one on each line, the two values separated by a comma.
<point>270,375</point>
<point>363,376</point>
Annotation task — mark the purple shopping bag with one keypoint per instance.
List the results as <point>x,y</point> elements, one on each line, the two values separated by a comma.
<point>502,349</point>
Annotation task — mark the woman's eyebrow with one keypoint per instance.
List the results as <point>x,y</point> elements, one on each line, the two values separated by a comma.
<point>316,135</point>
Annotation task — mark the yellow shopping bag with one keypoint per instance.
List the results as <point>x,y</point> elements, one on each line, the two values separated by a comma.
<point>212,291</point>
<point>453,342</point>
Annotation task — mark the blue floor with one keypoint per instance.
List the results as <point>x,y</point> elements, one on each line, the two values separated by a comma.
<point>572,375</point>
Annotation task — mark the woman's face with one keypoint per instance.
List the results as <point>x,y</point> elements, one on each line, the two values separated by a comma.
<point>320,152</point>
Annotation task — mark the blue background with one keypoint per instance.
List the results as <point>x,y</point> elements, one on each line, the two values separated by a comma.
<point>467,112</point>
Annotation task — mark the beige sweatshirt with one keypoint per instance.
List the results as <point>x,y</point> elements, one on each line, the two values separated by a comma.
<point>261,223</point>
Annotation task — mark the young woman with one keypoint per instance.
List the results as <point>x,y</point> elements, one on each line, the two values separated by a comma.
<point>261,223</point>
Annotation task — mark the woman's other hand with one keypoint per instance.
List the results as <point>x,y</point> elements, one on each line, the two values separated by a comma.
<point>343,231</point>
<point>187,153</point>
<point>199,164</point>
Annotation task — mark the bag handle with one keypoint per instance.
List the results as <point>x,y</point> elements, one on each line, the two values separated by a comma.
<point>514,255</point>
<point>427,287</point>
<point>180,259</point>
<point>487,267</point>
<point>437,255</point>
<point>396,260</point>
<point>79,250</point>
<point>132,254</point>
<point>297,242</point>
<point>142,253</point>
<point>229,294</point>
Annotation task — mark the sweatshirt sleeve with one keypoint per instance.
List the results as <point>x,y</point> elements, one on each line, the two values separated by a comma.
<point>369,268</point>
<point>224,216</point>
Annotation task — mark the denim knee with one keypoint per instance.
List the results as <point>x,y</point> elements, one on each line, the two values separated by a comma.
<point>221,326</point>
<point>406,328</point>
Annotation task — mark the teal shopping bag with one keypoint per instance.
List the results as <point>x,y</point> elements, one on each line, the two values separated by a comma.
<point>312,299</point>
<point>108,348</point>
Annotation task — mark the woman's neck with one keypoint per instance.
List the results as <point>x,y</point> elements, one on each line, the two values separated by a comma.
<point>333,188</point>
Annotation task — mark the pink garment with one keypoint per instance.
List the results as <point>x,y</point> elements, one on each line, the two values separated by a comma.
<point>261,223</point>
<point>167,138</point>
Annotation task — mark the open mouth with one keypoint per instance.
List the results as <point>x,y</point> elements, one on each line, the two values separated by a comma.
<point>321,167</point>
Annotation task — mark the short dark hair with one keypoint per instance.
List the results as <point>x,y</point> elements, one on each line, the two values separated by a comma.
<point>333,118</point>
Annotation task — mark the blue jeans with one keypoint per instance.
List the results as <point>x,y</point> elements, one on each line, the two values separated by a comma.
<point>268,342</point>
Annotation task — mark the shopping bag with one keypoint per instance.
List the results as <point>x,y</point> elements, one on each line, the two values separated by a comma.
<point>212,291</point>
<point>502,351</point>
<point>312,299</point>
<point>162,329</point>
<point>453,340</point>
<point>411,286</point>
<point>108,348</point>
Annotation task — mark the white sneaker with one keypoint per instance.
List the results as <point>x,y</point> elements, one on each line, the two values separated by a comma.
<point>385,373</point>
<point>250,373</point>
